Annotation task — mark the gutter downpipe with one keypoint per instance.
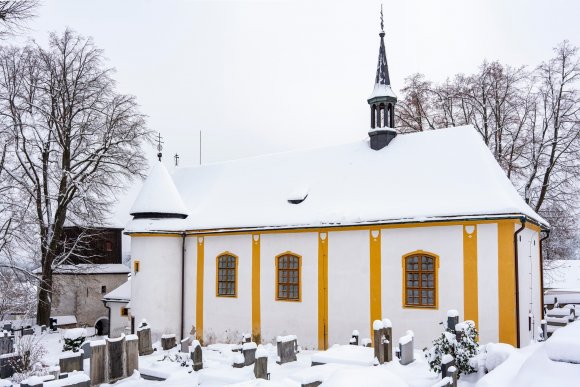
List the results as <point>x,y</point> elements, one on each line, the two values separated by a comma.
<point>516,259</point>
<point>542,269</point>
<point>182,282</point>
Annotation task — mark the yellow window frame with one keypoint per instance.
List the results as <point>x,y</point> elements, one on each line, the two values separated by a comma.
<point>217,270</point>
<point>435,280</point>
<point>277,284</point>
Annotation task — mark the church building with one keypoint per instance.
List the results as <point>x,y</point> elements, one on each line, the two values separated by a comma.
<point>320,242</point>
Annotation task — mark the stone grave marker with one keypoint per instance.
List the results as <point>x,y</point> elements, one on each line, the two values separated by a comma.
<point>286,346</point>
<point>98,357</point>
<point>86,348</point>
<point>7,327</point>
<point>447,361</point>
<point>196,355</point>
<point>131,354</point>
<point>261,364</point>
<point>452,319</point>
<point>407,354</point>
<point>27,331</point>
<point>7,363</point>
<point>354,337</point>
<point>378,341</point>
<point>246,338</point>
<point>388,340</point>
<point>543,327</point>
<point>116,358</point>
<point>145,344</point>
<point>185,344</point>
<point>6,343</point>
<point>249,352</point>
<point>71,361</point>
<point>239,361</point>
<point>168,341</point>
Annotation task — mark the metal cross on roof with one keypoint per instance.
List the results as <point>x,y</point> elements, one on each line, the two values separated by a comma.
<point>382,25</point>
<point>176,157</point>
<point>159,146</point>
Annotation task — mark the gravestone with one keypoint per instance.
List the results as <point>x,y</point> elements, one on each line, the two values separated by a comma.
<point>378,341</point>
<point>86,348</point>
<point>196,355</point>
<point>7,327</point>
<point>543,327</point>
<point>261,365</point>
<point>407,354</point>
<point>117,367</point>
<point>145,345</point>
<point>249,352</point>
<point>452,373</point>
<point>452,320</point>
<point>354,337</point>
<point>447,361</point>
<point>185,344</point>
<point>98,356</point>
<point>286,346</point>
<point>131,354</point>
<point>168,342</point>
<point>71,361</point>
<point>8,363</point>
<point>246,338</point>
<point>239,361</point>
<point>6,343</point>
<point>311,384</point>
<point>54,371</point>
<point>27,331</point>
<point>387,340</point>
<point>366,342</point>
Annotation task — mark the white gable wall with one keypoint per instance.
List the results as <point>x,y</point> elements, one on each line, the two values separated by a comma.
<point>447,243</point>
<point>289,317</point>
<point>227,318</point>
<point>348,285</point>
<point>487,277</point>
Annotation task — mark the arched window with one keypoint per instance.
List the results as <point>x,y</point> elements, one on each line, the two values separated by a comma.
<point>288,277</point>
<point>420,280</point>
<point>227,273</point>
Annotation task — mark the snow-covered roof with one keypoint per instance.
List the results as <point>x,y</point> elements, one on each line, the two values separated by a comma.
<point>122,293</point>
<point>381,90</point>
<point>563,274</point>
<point>433,175</point>
<point>158,194</point>
<point>90,268</point>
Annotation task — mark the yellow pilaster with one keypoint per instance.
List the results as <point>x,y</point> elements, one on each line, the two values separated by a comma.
<point>322,290</point>
<point>256,318</point>
<point>375,276</point>
<point>199,301</point>
<point>470,289</point>
<point>506,283</point>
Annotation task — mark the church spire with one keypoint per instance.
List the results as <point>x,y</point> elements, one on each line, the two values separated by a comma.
<point>382,101</point>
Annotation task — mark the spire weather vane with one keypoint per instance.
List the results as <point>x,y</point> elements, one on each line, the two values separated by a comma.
<point>382,25</point>
<point>159,146</point>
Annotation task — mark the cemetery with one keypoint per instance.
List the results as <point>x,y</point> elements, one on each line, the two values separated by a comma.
<point>39,357</point>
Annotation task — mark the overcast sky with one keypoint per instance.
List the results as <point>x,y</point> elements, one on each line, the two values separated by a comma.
<point>267,76</point>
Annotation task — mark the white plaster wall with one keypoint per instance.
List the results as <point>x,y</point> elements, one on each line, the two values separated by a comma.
<point>118,324</point>
<point>288,317</point>
<point>447,243</point>
<point>227,318</point>
<point>348,285</point>
<point>190,290</point>
<point>529,284</point>
<point>156,288</point>
<point>487,282</point>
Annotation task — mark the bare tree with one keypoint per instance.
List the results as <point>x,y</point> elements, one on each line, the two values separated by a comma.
<point>75,143</point>
<point>14,14</point>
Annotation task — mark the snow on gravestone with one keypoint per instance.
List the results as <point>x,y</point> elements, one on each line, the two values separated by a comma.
<point>196,355</point>
<point>249,352</point>
<point>261,364</point>
<point>406,348</point>
<point>286,346</point>
<point>116,369</point>
<point>168,341</point>
<point>6,343</point>
<point>144,335</point>
<point>387,340</point>
<point>452,319</point>
<point>378,334</point>
<point>185,344</point>
<point>354,338</point>
<point>564,344</point>
<point>98,367</point>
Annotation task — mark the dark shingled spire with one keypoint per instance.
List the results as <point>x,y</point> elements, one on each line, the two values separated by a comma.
<point>382,77</point>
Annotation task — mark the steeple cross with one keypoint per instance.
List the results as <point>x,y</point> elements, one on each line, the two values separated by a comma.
<point>382,25</point>
<point>159,146</point>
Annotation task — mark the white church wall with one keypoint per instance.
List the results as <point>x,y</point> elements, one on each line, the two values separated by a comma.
<point>487,282</point>
<point>118,324</point>
<point>289,317</point>
<point>227,318</point>
<point>529,284</point>
<point>190,290</point>
<point>447,243</point>
<point>348,285</point>
<point>156,288</point>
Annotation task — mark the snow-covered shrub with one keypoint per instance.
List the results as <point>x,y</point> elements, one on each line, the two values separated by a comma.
<point>31,353</point>
<point>73,339</point>
<point>495,354</point>
<point>463,350</point>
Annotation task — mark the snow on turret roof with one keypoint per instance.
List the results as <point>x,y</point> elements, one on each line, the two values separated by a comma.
<point>382,91</point>
<point>122,293</point>
<point>433,175</point>
<point>158,194</point>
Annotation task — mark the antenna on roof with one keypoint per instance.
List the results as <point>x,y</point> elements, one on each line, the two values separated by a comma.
<point>382,25</point>
<point>159,146</point>
<point>176,157</point>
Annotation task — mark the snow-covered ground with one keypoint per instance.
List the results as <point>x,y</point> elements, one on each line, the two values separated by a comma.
<point>531,366</point>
